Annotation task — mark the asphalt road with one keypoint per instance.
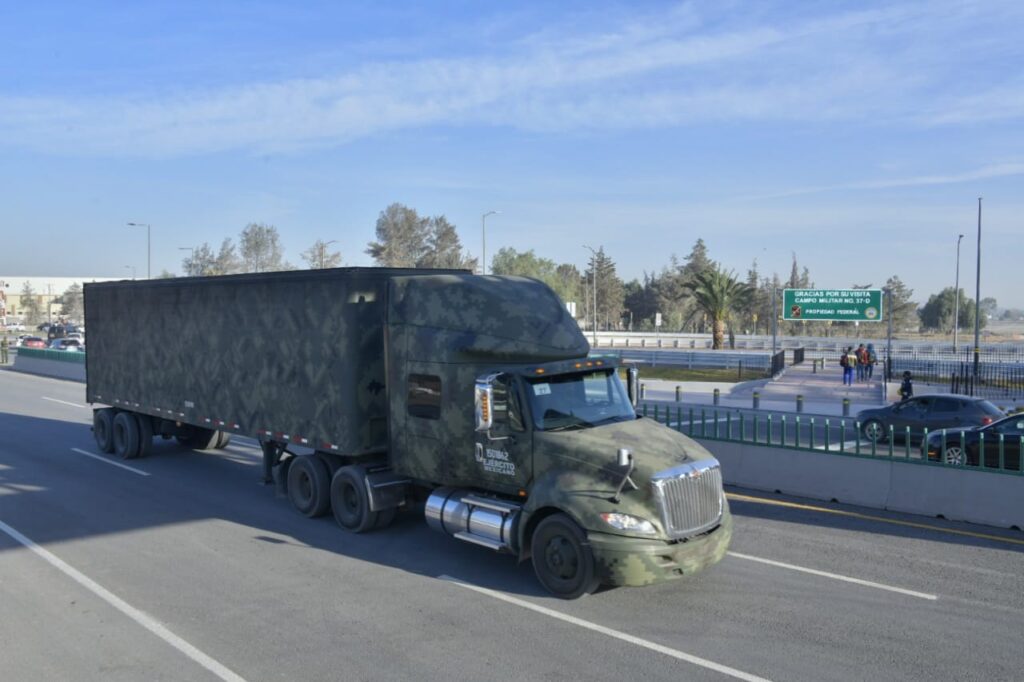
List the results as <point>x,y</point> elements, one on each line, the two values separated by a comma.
<point>185,568</point>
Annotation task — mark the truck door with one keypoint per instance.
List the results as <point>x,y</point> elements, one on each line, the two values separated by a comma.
<point>502,458</point>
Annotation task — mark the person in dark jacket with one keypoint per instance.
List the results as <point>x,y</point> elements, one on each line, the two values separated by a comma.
<point>907,386</point>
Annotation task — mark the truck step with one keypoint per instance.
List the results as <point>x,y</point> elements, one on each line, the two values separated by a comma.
<point>488,503</point>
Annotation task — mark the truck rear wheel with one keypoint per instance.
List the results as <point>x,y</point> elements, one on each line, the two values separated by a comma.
<point>309,485</point>
<point>223,438</point>
<point>103,429</point>
<point>145,434</point>
<point>562,558</point>
<point>350,503</point>
<point>126,435</point>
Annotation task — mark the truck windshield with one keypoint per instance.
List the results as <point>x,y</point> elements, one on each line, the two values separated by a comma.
<point>574,401</point>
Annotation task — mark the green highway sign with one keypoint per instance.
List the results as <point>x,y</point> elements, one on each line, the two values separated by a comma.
<point>840,305</point>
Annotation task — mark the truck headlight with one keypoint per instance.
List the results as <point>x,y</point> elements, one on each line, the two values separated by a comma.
<point>629,523</point>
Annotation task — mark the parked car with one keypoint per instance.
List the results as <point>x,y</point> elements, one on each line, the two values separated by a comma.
<point>947,411</point>
<point>962,448</point>
<point>66,344</point>
<point>33,342</point>
<point>15,326</point>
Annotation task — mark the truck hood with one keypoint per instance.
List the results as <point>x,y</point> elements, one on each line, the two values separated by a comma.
<point>581,465</point>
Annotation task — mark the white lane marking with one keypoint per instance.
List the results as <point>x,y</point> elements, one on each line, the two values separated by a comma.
<point>140,472</point>
<point>140,617</point>
<point>65,402</point>
<point>668,651</point>
<point>836,576</point>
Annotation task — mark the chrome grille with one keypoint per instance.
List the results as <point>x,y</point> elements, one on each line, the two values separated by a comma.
<point>689,497</point>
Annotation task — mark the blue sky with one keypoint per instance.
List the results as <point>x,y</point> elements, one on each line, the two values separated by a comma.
<point>857,135</point>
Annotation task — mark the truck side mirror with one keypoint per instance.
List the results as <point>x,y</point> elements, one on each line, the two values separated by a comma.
<point>484,404</point>
<point>633,384</point>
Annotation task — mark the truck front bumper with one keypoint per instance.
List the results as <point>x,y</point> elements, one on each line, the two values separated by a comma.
<point>637,561</point>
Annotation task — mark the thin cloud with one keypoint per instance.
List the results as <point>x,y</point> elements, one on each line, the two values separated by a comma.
<point>984,173</point>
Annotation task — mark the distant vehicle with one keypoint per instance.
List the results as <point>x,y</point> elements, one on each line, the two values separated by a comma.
<point>65,344</point>
<point>15,327</point>
<point>76,335</point>
<point>43,327</point>
<point>33,342</point>
<point>21,339</point>
<point>963,450</point>
<point>949,411</point>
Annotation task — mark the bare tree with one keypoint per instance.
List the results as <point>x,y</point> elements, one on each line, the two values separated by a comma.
<point>317,256</point>
<point>201,262</point>
<point>261,248</point>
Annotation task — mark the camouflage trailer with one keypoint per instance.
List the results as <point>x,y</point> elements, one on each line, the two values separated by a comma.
<point>372,390</point>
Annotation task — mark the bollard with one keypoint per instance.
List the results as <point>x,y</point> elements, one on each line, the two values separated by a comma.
<point>716,395</point>
<point>757,400</point>
<point>643,391</point>
<point>799,403</point>
<point>679,393</point>
<point>814,367</point>
<point>846,407</point>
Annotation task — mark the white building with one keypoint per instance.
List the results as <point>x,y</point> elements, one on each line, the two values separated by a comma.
<point>45,289</point>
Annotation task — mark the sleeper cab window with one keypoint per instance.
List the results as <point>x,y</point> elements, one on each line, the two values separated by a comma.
<point>424,399</point>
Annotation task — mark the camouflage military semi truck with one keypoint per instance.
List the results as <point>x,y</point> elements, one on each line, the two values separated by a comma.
<point>375,390</point>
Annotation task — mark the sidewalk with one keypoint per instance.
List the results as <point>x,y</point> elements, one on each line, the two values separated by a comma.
<point>823,391</point>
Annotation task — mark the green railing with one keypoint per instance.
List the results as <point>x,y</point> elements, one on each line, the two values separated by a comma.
<point>954,449</point>
<point>76,356</point>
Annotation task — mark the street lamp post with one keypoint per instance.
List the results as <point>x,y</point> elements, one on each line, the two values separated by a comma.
<point>149,247</point>
<point>977,299</point>
<point>956,297</point>
<point>483,231</point>
<point>323,249</point>
<point>593,276</point>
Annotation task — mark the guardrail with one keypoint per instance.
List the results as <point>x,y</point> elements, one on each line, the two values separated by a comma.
<point>48,354</point>
<point>831,436</point>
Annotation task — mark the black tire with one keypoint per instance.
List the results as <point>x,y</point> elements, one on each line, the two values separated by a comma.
<point>103,429</point>
<point>385,517</point>
<point>126,435</point>
<point>350,503</point>
<point>562,558</point>
<point>309,486</point>
<point>873,430</point>
<point>223,438</point>
<point>145,434</point>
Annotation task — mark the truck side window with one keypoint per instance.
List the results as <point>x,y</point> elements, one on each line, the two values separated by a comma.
<point>424,399</point>
<point>507,415</point>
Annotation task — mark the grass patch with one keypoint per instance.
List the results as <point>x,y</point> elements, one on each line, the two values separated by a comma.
<point>670,373</point>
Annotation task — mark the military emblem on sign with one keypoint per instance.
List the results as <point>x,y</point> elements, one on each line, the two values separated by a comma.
<point>794,311</point>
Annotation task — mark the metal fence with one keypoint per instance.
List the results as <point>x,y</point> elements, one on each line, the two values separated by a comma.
<point>831,436</point>
<point>993,379</point>
<point>798,355</point>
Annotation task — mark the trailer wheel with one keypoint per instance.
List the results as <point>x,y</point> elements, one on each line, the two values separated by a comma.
<point>103,429</point>
<point>562,558</point>
<point>126,435</point>
<point>309,486</point>
<point>223,438</point>
<point>145,434</point>
<point>385,517</point>
<point>350,503</point>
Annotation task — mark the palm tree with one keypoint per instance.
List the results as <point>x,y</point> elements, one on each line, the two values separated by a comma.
<point>718,293</point>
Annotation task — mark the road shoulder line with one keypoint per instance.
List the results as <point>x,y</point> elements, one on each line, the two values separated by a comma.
<point>140,472</point>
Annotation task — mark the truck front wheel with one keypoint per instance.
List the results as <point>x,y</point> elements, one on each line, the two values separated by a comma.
<point>309,484</point>
<point>349,501</point>
<point>562,558</point>
<point>126,435</point>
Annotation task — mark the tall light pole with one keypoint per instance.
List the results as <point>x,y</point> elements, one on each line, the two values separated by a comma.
<point>977,299</point>
<point>191,258</point>
<point>149,247</point>
<point>956,296</point>
<point>132,268</point>
<point>593,275</point>
<point>483,231</point>
<point>323,249</point>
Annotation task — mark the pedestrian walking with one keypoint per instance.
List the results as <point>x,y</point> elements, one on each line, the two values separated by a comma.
<point>872,360</point>
<point>3,350</point>
<point>848,360</point>
<point>862,362</point>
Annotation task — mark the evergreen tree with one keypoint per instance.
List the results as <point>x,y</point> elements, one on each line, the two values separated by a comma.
<point>318,256</point>
<point>718,294</point>
<point>442,248</point>
<point>31,304</point>
<point>261,248</point>
<point>902,309</point>
<point>401,237</point>
<point>71,302</point>
<point>610,290</point>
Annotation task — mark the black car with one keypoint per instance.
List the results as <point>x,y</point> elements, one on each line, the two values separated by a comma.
<point>962,448</point>
<point>948,411</point>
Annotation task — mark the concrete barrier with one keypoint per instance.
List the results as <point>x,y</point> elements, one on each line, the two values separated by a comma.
<point>73,371</point>
<point>988,498</point>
